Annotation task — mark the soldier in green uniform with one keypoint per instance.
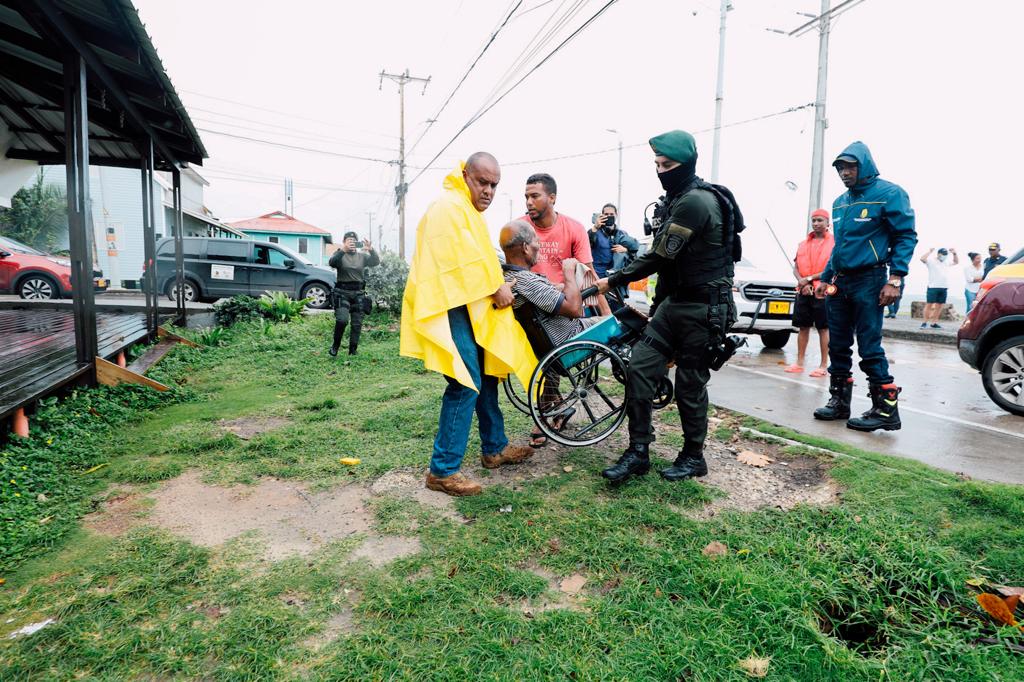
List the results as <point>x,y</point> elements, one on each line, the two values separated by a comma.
<point>695,245</point>
<point>351,261</point>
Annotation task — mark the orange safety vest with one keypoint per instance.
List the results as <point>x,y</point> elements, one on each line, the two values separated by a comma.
<point>812,254</point>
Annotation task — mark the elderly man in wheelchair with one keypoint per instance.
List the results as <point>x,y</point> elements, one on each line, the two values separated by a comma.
<point>576,395</point>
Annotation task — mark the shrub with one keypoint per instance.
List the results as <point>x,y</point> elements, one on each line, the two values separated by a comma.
<point>236,309</point>
<point>280,307</point>
<point>385,283</point>
<point>212,336</point>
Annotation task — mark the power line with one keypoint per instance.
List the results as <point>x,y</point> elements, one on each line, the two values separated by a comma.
<point>303,132</point>
<point>294,147</point>
<point>256,181</point>
<point>480,114</point>
<point>433,119</point>
<point>287,114</point>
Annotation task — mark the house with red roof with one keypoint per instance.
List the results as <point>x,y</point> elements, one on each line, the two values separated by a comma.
<point>309,241</point>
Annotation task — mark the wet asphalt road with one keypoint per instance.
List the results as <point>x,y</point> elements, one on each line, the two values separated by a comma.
<point>948,420</point>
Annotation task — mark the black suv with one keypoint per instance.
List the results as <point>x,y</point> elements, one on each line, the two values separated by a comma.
<point>217,268</point>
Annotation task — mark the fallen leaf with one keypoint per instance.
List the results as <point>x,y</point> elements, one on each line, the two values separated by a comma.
<point>453,570</point>
<point>350,461</point>
<point>742,552</point>
<point>41,498</point>
<point>857,519</point>
<point>715,548</point>
<point>755,666</point>
<point>996,607</point>
<point>95,468</point>
<point>657,592</point>
<point>1011,602</point>
<point>574,583</point>
<point>567,469</point>
<point>1008,590</point>
<point>554,545</point>
<point>975,582</point>
<point>754,459</point>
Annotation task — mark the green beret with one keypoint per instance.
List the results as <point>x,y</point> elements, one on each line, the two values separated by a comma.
<point>677,145</point>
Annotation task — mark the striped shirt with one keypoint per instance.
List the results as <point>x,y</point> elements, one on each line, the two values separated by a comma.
<point>537,289</point>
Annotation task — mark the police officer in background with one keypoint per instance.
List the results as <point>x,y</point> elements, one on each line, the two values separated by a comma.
<point>693,255</point>
<point>351,261</point>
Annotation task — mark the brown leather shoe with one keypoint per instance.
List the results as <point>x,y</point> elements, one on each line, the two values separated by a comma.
<point>456,485</point>
<point>512,454</point>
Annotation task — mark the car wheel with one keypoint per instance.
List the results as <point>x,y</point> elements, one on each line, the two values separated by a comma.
<point>38,288</point>
<point>1003,375</point>
<point>775,340</point>
<point>191,291</point>
<point>319,294</point>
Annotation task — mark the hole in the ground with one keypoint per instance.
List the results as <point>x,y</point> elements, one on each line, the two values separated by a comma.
<point>858,630</point>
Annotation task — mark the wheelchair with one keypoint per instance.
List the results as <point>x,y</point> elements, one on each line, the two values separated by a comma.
<point>577,393</point>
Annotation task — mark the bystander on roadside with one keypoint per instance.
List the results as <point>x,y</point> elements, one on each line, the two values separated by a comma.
<point>974,273</point>
<point>812,255</point>
<point>994,258</point>
<point>938,284</point>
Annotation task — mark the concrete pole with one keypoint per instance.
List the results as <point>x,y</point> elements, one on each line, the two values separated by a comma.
<point>618,205</point>
<point>719,90</point>
<point>401,165</point>
<point>820,122</point>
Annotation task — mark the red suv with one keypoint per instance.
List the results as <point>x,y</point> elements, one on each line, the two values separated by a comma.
<point>36,275</point>
<point>991,339</point>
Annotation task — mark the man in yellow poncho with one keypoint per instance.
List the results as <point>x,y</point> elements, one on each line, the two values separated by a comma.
<point>457,319</point>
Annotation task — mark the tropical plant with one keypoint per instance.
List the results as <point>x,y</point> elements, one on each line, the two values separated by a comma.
<point>212,336</point>
<point>38,216</point>
<point>280,307</point>
<point>237,309</point>
<point>385,284</point>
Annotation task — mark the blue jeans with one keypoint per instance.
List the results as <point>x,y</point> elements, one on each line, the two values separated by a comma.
<point>854,310</point>
<point>459,402</point>
<point>970,296</point>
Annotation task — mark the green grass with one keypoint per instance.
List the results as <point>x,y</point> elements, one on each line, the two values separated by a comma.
<point>852,592</point>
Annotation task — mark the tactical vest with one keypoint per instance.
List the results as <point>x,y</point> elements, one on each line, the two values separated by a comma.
<point>693,269</point>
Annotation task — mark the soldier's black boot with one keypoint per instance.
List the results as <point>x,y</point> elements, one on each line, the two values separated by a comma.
<point>884,412</point>
<point>635,461</point>
<point>351,349</point>
<point>339,329</point>
<point>838,406</point>
<point>687,465</point>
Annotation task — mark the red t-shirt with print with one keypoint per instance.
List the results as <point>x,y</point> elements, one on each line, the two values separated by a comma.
<point>567,238</point>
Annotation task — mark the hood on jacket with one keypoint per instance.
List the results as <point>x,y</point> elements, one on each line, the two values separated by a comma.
<point>867,171</point>
<point>455,181</point>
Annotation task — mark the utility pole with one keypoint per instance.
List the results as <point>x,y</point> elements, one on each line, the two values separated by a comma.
<point>369,226</point>
<point>618,200</point>
<point>719,90</point>
<point>400,190</point>
<point>289,196</point>
<point>820,122</point>
<point>823,22</point>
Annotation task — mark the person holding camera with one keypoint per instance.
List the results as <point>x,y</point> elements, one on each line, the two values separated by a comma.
<point>611,247</point>
<point>694,250</point>
<point>348,297</point>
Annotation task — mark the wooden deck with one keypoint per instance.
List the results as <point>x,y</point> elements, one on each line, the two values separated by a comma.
<point>37,350</point>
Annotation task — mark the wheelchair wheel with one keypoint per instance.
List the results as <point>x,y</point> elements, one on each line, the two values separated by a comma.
<point>665,392</point>
<point>516,394</point>
<point>574,395</point>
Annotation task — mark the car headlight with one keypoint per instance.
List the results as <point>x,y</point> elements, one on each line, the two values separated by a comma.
<point>64,262</point>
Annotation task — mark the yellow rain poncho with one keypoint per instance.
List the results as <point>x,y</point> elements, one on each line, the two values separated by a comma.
<point>455,265</point>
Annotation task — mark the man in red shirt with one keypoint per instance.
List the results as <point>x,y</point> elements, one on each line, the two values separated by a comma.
<point>811,259</point>
<point>560,237</point>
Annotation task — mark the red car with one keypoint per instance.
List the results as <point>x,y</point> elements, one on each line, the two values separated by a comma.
<point>991,339</point>
<point>36,275</point>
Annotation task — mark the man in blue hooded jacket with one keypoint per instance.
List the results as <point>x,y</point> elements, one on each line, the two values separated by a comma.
<point>874,241</point>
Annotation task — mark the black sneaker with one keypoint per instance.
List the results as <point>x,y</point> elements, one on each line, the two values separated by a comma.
<point>924,325</point>
<point>936,326</point>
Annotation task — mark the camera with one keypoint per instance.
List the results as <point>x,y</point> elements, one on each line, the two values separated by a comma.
<point>359,244</point>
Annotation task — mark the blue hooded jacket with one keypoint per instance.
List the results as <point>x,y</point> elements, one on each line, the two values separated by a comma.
<point>872,221</point>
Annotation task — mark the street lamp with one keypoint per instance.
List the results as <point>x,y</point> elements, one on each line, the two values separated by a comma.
<point>618,205</point>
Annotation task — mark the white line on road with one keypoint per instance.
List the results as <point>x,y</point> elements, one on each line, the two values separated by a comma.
<point>905,408</point>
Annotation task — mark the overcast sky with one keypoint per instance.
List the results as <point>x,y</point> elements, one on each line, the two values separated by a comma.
<point>927,85</point>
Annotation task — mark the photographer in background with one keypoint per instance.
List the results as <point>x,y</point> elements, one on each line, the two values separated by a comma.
<point>348,297</point>
<point>611,247</point>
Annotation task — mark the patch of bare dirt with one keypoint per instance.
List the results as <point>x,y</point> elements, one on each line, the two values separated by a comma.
<point>248,428</point>
<point>117,514</point>
<point>341,624</point>
<point>289,519</point>
<point>383,550</point>
<point>409,484</point>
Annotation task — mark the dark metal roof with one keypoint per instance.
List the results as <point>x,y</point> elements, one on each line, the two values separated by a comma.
<point>131,98</point>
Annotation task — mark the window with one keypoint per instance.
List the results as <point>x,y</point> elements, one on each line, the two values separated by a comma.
<point>274,240</point>
<point>237,251</point>
<point>268,256</point>
<point>190,248</point>
<point>303,245</point>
